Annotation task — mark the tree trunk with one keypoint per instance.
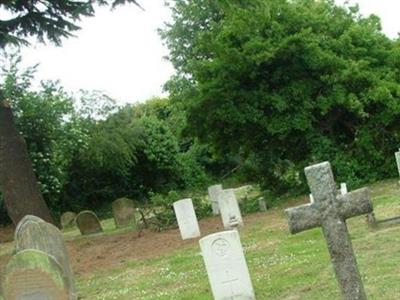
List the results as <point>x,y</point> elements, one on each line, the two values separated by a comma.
<point>18,182</point>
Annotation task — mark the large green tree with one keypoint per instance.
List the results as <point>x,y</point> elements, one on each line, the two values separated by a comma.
<point>288,83</point>
<point>47,21</point>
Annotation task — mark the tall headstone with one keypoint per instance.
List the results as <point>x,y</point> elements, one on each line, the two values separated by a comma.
<point>34,275</point>
<point>213,192</point>
<point>343,188</point>
<point>88,223</point>
<point>226,266</point>
<point>67,219</point>
<point>187,220</point>
<point>330,211</point>
<point>229,208</point>
<point>124,213</point>
<point>397,154</point>
<point>34,233</point>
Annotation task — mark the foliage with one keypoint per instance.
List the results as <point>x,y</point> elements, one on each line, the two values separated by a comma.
<point>288,84</point>
<point>51,19</point>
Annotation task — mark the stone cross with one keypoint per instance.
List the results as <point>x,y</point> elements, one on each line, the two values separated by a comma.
<point>124,213</point>
<point>34,275</point>
<point>229,208</point>
<point>34,233</point>
<point>330,211</point>
<point>187,220</point>
<point>88,222</point>
<point>213,192</point>
<point>226,266</point>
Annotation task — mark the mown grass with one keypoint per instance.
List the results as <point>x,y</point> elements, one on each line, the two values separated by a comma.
<point>282,266</point>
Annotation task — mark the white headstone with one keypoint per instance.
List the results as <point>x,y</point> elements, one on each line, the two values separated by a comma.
<point>343,188</point>
<point>226,266</point>
<point>213,192</point>
<point>229,208</point>
<point>311,198</point>
<point>187,220</point>
<point>397,154</point>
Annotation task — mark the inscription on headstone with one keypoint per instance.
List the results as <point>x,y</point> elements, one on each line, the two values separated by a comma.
<point>213,192</point>
<point>330,211</point>
<point>226,266</point>
<point>229,208</point>
<point>187,220</point>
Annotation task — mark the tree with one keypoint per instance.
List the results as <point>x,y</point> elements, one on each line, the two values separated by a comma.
<point>52,21</point>
<point>288,83</point>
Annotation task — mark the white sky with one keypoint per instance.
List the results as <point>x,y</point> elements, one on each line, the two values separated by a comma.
<point>120,52</point>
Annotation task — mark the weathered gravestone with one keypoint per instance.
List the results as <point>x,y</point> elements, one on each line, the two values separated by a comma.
<point>88,223</point>
<point>34,275</point>
<point>213,192</point>
<point>343,188</point>
<point>187,220</point>
<point>262,204</point>
<point>330,211</point>
<point>67,219</point>
<point>226,266</point>
<point>34,233</point>
<point>229,208</point>
<point>124,213</point>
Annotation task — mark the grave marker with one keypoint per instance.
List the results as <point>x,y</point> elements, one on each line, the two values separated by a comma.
<point>343,188</point>
<point>213,192</point>
<point>67,219</point>
<point>229,208</point>
<point>187,220</point>
<point>330,211</point>
<point>88,223</point>
<point>124,213</point>
<point>34,275</point>
<point>34,233</point>
<point>226,266</point>
<point>397,155</point>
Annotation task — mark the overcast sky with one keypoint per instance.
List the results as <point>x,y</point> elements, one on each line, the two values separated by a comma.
<point>121,53</point>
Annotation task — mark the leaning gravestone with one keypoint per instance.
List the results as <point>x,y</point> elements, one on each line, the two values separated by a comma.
<point>330,211</point>
<point>68,219</point>
<point>229,208</point>
<point>124,213</point>
<point>34,275</point>
<point>88,223</point>
<point>213,192</point>
<point>226,266</point>
<point>34,233</point>
<point>187,220</point>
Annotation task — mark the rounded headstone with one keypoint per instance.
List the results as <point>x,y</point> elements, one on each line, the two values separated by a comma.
<point>34,233</point>
<point>67,219</point>
<point>124,212</point>
<point>88,223</point>
<point>34,275</point>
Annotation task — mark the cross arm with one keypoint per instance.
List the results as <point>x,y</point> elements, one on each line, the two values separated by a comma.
<point>303,217</point>
<point>355,203</point>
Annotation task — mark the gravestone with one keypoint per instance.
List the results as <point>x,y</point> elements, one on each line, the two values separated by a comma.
<point>311,198</point>
<point>34,233</point>
<point>226,266</point>
<point>213,192</point>
<point>343,188</point>
<point>262,204</point>
<point>67,219</point>
<point>88,223</point>
<point>124,213</point>
<point>229,209</point>
<point>397,155</point>
<point>187,220</point>
<point>34,275</point>
<point>330,211</point>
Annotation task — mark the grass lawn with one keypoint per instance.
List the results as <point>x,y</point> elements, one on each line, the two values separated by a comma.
<point>121,265</point>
